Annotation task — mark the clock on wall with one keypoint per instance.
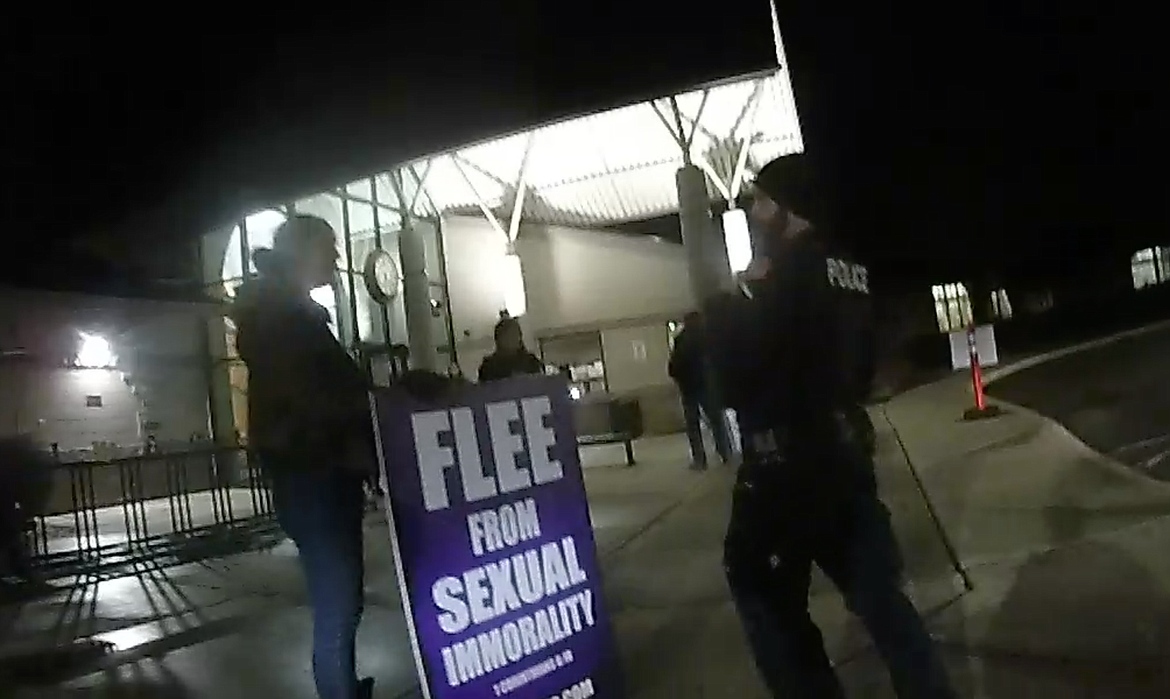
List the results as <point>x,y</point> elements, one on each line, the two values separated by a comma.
<point>382,278</point>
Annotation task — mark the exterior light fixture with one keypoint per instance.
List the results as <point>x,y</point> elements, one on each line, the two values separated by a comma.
<point>94,353</point>
<point>515,298</point>
<point>738,239</point>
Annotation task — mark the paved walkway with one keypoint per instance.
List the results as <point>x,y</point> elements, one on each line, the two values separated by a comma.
<point>1067,552</point>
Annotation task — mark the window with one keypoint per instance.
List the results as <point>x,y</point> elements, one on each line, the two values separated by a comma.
<point>1000,305</point>
<point>579,357</point>
<point>1144,267</point>
<point>952,307</point>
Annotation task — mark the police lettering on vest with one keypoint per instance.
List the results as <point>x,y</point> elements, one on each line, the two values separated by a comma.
<point>847,275</point>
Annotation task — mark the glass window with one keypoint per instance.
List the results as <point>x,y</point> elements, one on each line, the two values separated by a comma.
<point>259,229</point>
<point>1144,268</point>
<point>387,196</point>
<point>361,219</point>
<point>328,207</point>
<point>360,189</point>
<point>579,357</point>
<point>952,307</point>
<point>1000,304</point>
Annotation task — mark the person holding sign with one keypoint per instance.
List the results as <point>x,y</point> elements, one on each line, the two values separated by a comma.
<point>311,430</point>
<point>795,355</point>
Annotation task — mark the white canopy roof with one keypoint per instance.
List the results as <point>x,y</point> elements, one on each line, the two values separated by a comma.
<point>605,168</point>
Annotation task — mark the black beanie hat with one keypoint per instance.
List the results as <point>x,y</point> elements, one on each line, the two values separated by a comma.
<point>787,181</point>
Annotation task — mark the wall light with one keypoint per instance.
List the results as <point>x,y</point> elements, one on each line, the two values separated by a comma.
<point>95,353</point>
<point>738,239</point>
<point>512,279</point>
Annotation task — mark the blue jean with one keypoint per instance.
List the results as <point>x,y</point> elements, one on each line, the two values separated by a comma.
<point>321,511</point>
<point>863,561</point>
<point>695,410</point>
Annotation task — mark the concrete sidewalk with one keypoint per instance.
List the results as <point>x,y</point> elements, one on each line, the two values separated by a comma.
<point>1067,553</point>
<point>245,615</point>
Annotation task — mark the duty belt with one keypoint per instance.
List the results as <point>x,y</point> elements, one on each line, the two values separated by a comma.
<point>775,443</point>
<point>769,444</point>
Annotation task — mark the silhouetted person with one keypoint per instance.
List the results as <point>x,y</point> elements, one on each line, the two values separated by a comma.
<point>25,483</point>
<point>511,357</point>
<point>310,427</point>
<point>688,369</point>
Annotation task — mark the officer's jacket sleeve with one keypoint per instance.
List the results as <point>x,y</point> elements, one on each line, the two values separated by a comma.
<point>753,338</point>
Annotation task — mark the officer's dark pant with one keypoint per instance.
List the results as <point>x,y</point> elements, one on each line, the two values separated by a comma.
<point>853,543</point>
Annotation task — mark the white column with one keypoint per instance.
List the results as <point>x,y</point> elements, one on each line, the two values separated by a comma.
<point>416,292</point>
<point>707,271</point>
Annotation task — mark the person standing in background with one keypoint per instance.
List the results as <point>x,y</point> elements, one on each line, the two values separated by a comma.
<point>26,482</point>
<point>687,368</point>
<point>511,357</point>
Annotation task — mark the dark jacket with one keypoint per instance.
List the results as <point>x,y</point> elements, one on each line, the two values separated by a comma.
<point>308,405</point>
<point>26,482</point>
<point>686,362</point>
<point>801,350</point>
<point>497,366</point>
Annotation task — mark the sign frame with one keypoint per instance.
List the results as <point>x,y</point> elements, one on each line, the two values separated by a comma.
<point>404,496</point>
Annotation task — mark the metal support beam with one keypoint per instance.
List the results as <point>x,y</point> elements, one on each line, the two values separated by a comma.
<point>747,113</point>
<point>420,183</point>
<point>745,142</point>
<point>464,162</point>
<point>487,211</point>
<point>521,189</point>
<point>698,118</point>
<point>676,135</point>
<point>730,187</point>
<point>705,166</point>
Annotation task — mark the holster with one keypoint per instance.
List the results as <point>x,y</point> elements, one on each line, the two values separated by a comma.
<point>792,496</point>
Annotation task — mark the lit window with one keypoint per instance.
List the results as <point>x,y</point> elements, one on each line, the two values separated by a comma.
<point>260,227</point>
<point>952,307</point>
<point>1144,265</point>
<point>1000,304</point>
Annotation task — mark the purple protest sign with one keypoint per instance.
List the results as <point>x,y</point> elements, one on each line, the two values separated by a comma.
<point>494,545</point>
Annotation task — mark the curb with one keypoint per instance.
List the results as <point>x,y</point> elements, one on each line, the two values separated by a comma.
<point>1003,372</point>
<point>1105,461</point>
<point>1108,462</point>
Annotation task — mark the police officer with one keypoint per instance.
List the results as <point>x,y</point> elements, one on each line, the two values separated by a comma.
<point>793,353</point>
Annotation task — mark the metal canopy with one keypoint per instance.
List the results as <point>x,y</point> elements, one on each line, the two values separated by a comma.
<point>606,168</point>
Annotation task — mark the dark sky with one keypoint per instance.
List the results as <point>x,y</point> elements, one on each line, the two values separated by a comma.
<point>944,132</point>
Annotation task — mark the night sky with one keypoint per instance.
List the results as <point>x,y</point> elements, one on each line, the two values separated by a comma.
<point>944,135</point>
